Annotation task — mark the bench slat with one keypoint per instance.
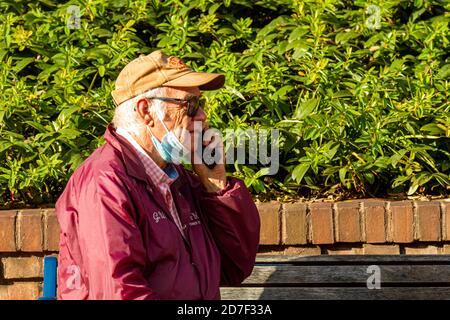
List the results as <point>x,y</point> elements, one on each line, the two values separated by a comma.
<point>388,293</point>
<point>292,275</point>
<point>354,259</point>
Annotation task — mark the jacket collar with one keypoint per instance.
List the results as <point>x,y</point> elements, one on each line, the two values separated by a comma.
<point>135,168</point>
<point>131,160</point>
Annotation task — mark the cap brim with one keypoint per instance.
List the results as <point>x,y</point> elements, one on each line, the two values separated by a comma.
<point>203,80</point>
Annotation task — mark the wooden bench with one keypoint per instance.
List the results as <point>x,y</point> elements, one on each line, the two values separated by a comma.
<point>329,277</point>
<point>345,277</point>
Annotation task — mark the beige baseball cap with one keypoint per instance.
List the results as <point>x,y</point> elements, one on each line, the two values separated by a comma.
<point>157,70</point>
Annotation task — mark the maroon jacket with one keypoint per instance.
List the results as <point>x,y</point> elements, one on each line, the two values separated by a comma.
<point>118,239</point>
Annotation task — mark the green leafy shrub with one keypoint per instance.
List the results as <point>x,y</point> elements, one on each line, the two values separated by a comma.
<point>359,94</point>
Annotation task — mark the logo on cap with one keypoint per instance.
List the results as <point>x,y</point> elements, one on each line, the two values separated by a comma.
<point>176,63</point>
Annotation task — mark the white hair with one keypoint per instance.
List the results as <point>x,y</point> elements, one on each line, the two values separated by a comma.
<point>126,116</point>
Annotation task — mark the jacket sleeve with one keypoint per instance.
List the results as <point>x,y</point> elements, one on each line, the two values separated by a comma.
<point>112,245</point>
<point>234,222</point>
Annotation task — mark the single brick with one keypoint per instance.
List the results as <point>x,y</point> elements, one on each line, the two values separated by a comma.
<point>7,231</point>
<point>343,250</point>
<point>446,218</point>
<point>4,292</point>
<point>446,249</point>
<point>270,250</point>
<point>402,221</point>
<point>22,268</point>
<point>270,222</point>
<point>322,223</point>
<point>348,222</point>
<point>381,249</point>
<point>429,221</point>
<point>375,221</point>
<point>51,230</point>
<point>29,231</point>
<point>23,291</point>
<point>294,224</point>
<point>304,251</point>
<point>422,250</point>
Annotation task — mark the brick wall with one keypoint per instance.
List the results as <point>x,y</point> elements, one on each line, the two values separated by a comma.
<point>26,236</point>
<point>371,226</point>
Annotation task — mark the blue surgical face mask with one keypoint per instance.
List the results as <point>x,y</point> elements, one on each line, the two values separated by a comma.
<point>170,148</point>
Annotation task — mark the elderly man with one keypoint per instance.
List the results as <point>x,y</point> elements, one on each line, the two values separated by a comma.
<point>134,223</point>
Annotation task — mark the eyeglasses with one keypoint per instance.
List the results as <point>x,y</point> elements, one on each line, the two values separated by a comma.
<point>193,103</point>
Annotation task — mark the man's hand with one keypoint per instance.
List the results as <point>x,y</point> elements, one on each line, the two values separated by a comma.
<point>213,179</point>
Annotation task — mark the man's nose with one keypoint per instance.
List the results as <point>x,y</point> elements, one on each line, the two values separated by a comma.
<point>200,115</point>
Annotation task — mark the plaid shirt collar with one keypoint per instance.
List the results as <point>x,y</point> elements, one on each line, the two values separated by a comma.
<point>156,174</point>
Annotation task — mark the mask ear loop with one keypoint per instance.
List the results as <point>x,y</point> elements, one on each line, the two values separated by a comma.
<point>160,115</point>
<point>146,126</point>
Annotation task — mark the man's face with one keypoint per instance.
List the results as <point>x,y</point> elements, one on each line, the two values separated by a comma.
<point>176,118</point>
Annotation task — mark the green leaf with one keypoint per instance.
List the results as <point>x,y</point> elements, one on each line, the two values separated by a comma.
<point>262,172</point>
<point>342,174</point>
<point>444,72</point>
<point>101,71</point>
<point>300,171</point>
<point>344,37</point>
<point>235,92</point>
<point>298,33</point>
<point>412,189</point>
<point>432,128</point>
<point>281,93</point>
<point>214,8</point>
<point>331,152</point>
<point>36,125</point>
<point>369,177</point>
<point>305,108</point>
<point>272,26</point>
<point>21,64</point>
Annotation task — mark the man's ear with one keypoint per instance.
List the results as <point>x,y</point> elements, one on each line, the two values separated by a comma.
<point>142,108</point>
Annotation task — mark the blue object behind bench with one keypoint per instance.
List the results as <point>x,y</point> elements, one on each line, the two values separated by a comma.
<point>49,287</point>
